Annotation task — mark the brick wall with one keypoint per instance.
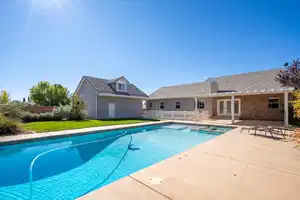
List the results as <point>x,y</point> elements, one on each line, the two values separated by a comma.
<point>257,107</point>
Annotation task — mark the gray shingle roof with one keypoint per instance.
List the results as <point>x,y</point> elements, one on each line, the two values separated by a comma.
<point>106,86</point>
<point>185,90</point>
<point>253,81</point>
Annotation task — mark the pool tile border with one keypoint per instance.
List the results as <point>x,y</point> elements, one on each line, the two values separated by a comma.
<point>23,138</point>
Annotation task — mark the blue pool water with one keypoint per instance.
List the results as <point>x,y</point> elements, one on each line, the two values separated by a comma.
<point>70,167</point>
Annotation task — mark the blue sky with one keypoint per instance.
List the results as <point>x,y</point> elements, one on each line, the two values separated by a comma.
<point>151,42</point>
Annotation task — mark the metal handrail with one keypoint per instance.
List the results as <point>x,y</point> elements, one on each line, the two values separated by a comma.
<point>59,148</point>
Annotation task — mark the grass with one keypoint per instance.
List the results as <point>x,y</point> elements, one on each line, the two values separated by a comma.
<point>40,127</point>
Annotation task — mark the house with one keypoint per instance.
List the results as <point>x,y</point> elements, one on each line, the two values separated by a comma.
<point>114,98</point>
<point>254,95</point>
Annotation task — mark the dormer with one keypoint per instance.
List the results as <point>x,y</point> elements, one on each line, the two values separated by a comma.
<point>120,84</point>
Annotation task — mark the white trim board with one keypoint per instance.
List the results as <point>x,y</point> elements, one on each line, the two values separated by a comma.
<point>122,96</point>
<point>289,90</point>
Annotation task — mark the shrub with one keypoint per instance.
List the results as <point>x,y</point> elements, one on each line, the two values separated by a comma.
<point>9,126</point>
<point>78,116</point>
<point>296,135</point>
<point>296,104</point>
<point>33,117</point>
<point>62,112</point>
<point>78,108</point>
<point>12,110</point>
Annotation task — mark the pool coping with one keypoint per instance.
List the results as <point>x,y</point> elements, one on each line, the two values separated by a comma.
<point>23,138</point>
<point>235,170</point>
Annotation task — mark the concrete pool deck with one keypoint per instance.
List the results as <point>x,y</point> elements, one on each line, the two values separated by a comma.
<point>231,166</point>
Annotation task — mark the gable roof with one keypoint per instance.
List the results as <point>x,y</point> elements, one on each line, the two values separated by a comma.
<point>105,86</point>
<point>240,83</point>
<point>116,79</point>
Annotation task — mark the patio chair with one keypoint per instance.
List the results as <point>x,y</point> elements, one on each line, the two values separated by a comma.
<point>265,129</point>
<point>248,128</point>
<point>282,129</point>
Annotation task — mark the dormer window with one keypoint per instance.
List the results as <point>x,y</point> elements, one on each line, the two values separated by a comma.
<point>119,84</point>
<point>121,87</point>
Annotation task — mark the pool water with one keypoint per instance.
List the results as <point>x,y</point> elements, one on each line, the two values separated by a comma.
<point>70,167</point>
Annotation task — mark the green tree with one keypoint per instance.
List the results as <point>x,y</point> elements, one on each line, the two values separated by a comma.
<point>4,97</point>
<point>49,95</point>
<point>78,107</point>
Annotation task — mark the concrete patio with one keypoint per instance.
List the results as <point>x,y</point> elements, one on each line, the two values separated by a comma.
<point>232,166</point>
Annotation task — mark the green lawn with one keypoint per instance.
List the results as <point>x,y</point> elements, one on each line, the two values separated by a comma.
<point>40,127</point>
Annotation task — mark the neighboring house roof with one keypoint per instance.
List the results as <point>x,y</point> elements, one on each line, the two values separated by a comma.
<point>106,86</point>
<point>241,83</point>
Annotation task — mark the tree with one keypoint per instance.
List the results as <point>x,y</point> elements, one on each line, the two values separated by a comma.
<point>78,107</point>
<point>49,95</point>
<point>4,97</point>
<point>289,76</point>
<point>24,100</point>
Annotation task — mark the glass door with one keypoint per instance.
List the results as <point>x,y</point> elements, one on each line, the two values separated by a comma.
<point>224,107</point>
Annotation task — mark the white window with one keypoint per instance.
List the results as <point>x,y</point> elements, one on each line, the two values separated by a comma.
<point>273,102</point>
<point>121,87</point>
<point>177,105</point>
<point>162,105</point>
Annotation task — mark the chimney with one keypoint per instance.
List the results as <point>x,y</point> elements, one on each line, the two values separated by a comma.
<point>213,86</point>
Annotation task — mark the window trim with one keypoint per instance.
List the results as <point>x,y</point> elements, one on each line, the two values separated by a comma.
<point>198,101</point>
<point>120,89</point>
<point>161,103</point>
<point>198,104</point>
<point>176,104</point>
<point>271,103</point>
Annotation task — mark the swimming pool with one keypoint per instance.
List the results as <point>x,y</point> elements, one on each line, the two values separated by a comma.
<point>69,167</point>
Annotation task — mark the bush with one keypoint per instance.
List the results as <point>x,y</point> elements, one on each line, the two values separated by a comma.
<point>296,135</point>
<point>74,111</point>
<point>62,112</point>
<point>12,110</point>
<point>78,108</point>
<point>9,126</point>
<point>296,104</point>
<point>78,116</point>
<point>33,117</point>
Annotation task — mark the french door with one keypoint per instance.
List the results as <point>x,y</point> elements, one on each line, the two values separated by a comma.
<point>224,106</point>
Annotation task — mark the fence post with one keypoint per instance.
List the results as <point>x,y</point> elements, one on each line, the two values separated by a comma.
<point>161,115</point>
<point>172,114</point>
<point>184,115</point>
